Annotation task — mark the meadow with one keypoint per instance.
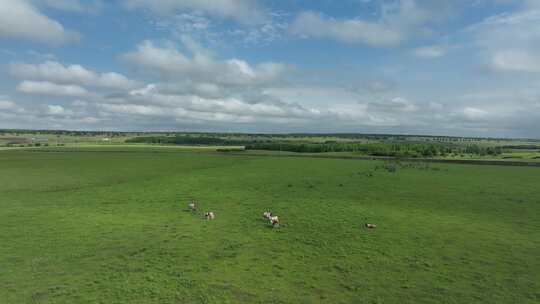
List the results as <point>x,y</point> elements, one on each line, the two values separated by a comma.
<point>356,145</point>
<point>111,226</point>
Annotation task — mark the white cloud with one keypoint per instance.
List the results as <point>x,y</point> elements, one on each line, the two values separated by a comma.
<point>264,107</point>
<point>475,113</point>
<point>510,41</point>
<point>7,105</point>
<point>397,22</point>
<point>21,20</point>
<point>189,87</point>
<point>72,74</point>
<point>435,106</point>
<point>227,111</point>
<point>201,66</point>
<point>301,109</point>
<point>203,28</point>
<point>532,3</point>
<point>317,95</point>
<point>397,104</point>
<point>90,120</point>
<point>55,110</point>
<point>135,109</point>
<point>163,59</point>
<point>144,91</point>
<point>311,24</point>
<point>432,51</point>
<point>273,29</point>
<point>49,88</point>
<point>244,11</point>
<point>79,103</point>
<point>516,61</point>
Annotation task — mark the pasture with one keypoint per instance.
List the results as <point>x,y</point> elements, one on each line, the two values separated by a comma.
<point>112,227</point>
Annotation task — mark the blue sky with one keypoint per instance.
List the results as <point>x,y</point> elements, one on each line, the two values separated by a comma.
<point>369,66</point>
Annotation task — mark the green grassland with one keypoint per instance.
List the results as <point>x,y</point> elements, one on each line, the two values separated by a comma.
<point>109,226</point>
<point>342,145</point>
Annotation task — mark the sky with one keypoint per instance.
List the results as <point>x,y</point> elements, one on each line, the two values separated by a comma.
<point>434,67</point>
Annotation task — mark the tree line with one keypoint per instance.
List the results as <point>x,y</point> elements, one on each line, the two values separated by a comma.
<point>400,149</point>
<point>380,149</point>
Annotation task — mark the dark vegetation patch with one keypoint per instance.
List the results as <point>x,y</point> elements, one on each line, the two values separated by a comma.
<point>391,149</point>
<point>230,150</point>
<point>521,147</point>
<point>380,149</point>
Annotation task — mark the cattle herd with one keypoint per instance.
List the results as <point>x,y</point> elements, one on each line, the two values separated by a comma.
<point>272,219</point>
<point>209,215</point>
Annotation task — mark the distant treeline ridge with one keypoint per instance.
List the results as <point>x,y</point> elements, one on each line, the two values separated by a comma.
<point>400,149</point>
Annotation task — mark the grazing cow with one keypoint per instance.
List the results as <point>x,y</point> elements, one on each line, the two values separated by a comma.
<point>274,220</point>
<point>267,215</point>
<point>192,206</point>
<point>370,226</point>
<point>209,215</point>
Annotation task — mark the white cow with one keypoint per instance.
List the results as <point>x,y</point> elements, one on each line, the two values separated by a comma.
<point>209,215</point>
<point>274,220</point>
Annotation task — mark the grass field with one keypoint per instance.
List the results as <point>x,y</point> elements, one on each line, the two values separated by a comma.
<point>110,227</point>
<point>333,145</point>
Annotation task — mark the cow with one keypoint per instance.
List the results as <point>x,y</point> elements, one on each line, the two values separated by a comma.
<point>274,220</point>
<point>209,215</point>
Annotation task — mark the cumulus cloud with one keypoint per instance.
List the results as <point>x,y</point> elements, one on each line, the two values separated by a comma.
<point>510,41</point>
<point>203,89</point>
<point>238,106</point>
<point>7,104</point>
<point>432,51</point>
<point>188,86</point>
<point>474,113</point>
<point>244,11</point>
<point>48,114</point>
<point>21,20</point>
<point>201,66</point>
<point>398,21</point>
<point>49,88</point>
<point>397,104</point>
<point>70,74</point>
<point>516,61</point>
<point>272,107</point>
<point>79,103</point>
<point>311,24</point>
<point>56,110</point>
<point>228,111</point>
<point>285,109</point>
<point>374,104</point>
